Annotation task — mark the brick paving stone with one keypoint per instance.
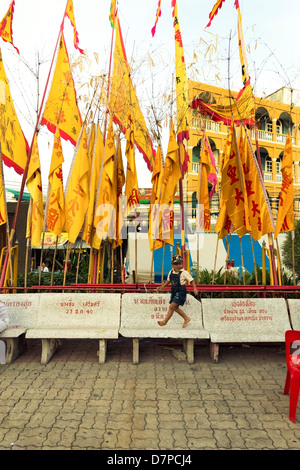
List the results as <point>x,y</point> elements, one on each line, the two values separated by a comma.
<point>160,404</point>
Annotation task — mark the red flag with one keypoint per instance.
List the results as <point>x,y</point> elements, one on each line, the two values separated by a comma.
<point>6,25</point>
<point>158,14</point>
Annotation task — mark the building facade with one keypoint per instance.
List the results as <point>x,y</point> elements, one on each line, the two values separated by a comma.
<point>274,116</point>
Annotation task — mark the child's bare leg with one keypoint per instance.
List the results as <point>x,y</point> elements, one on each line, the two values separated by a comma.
<point>183,315</point>
<point>170,312</point>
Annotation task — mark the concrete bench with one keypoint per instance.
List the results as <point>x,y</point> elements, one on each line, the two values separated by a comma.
<point>72,316</point>
<point>22,312</point>
<point>244,321</point>
<point>294,307</point>
<point>141,312</point>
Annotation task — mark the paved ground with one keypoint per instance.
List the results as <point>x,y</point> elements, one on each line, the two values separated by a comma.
<point>161,404</point>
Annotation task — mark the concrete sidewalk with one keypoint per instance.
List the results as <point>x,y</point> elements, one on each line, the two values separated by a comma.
<point>161,404</point>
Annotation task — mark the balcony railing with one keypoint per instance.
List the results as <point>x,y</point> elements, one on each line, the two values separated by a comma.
<point>208,124</point>
<point>261,134</point>
<point>267,176</point>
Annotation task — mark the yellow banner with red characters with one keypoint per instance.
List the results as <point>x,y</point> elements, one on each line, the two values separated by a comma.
<point>285,216</point>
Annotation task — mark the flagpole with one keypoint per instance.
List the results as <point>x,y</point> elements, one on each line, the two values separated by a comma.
<point>160,190</point>
<point>253,255</point>
<point>6,215</point>
<point>293,256</point>
<point>96,252</point>
<point>115,12</point>
<point>198,215</point>
<point>53,260</point>
<point>216,254</point>
<point>182,209</point>
<point>199,199</point>
<point>227,254</point>
<point>13,228</point>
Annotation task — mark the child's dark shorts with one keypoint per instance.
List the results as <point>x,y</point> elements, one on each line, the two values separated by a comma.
<point>178,297</point>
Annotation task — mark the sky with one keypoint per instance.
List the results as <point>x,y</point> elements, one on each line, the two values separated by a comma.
<point>271,32</point>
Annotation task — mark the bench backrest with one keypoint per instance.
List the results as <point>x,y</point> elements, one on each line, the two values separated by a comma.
<point>294,306</point>
<point>22,309</point>
<point>248,320</point>
<point>83,310</point>
<point>141,312</point>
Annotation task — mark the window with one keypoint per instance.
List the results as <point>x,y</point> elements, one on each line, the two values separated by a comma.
<point>269,164</point>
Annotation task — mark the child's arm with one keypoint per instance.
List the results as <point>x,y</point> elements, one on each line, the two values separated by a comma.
<point>194,286</point>
<point>164,284</point>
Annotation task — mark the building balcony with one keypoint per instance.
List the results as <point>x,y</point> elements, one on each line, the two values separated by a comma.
<point>264,135</point>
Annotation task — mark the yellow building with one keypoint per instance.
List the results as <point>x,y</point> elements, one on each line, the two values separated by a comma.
<point>274,116</point>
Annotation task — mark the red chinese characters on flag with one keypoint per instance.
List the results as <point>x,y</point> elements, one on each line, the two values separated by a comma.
<point>285,217</point>
<point>233,187</point>
<point>258,211</point>
<point>56,208</point>
<point>77,196</point>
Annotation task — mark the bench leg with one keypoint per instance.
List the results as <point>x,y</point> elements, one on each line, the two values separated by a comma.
<point>102,350</point>
<point>2,352</point>
<point>188,346</point>
<point>214,352</point>
<point>135,350</point>
<point>14,347</point>
<point>49,347</point>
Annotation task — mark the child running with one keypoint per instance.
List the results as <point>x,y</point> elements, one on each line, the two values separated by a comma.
<point>177,277</point>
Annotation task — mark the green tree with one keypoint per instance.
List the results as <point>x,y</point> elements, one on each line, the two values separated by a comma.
<point>287,252</point>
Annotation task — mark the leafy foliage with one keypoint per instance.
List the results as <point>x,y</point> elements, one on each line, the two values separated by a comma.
<point>286,250</point>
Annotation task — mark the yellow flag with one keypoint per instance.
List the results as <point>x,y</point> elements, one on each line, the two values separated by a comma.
<point>112,12</point>
<point>205,169</point>
<point>233,190</point>
<point>131,185</point>
<point>77,197</point>
<point>105,215</point>
<point>97,148</point>
<point>120,172</point>
<point>56,204</point>
<point>258,210</point>
<point>6,25</point>
<point>3,211</point>
<point>120,177</point>
<point>214,11</point>
<point>35,218</point>
<point>172,172</point>
<point>285,216</point>
<point>156,181</point>
<point>223,225</point>
<point>13,143</point>
<point>242,49</point>
<point>171,176</point>
<point>70,15</point>
<point>61,110</point>
<point>123,103</point>
<point>182,96</point>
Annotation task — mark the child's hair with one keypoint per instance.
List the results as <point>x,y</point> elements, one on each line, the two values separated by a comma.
<point>176,259</point>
